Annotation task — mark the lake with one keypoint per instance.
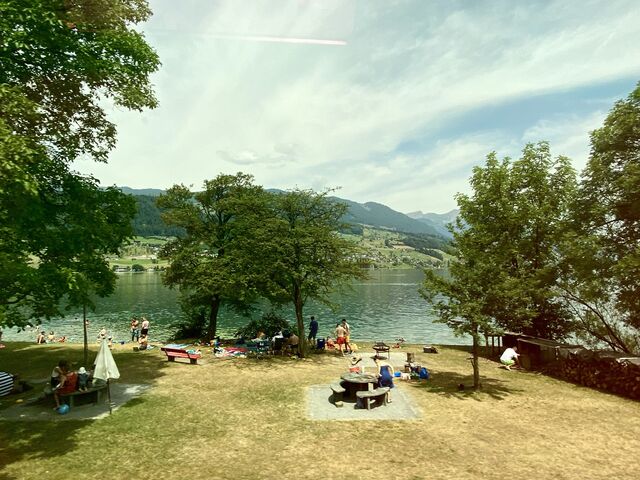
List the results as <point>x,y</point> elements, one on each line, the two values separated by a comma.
<point>384,307</point>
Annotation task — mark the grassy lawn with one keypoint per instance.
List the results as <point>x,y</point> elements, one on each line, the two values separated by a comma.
<point>245,418</point>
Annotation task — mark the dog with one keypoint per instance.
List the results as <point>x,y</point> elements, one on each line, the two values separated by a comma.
<point>405,376</point>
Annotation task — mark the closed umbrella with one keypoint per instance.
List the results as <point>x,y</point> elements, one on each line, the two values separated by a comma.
<point>105,367</point>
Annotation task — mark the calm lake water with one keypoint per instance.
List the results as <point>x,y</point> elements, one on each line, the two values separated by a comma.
<point>384,307</point>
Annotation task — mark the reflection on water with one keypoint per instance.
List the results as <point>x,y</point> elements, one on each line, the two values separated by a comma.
<point>384,307</point>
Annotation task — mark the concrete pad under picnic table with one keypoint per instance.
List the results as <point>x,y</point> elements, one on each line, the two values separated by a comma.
<point>320,407</point>
<point>121,393</point>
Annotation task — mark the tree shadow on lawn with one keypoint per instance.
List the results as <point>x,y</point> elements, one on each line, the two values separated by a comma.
<point>36,440</point>
<point>51,437</point>
<point>448,384</point>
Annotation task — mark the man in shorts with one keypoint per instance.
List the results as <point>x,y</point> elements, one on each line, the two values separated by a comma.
<point>509,358</point>
<point>347,335</point>
<point>340,337</point>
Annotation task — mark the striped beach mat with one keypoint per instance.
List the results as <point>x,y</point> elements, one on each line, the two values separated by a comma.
<point>6,384</point>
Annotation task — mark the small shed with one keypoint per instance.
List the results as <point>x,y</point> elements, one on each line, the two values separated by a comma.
<point>537,352</point>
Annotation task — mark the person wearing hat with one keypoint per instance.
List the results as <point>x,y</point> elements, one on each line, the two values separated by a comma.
<point>83,379</point>
<point>354,367</point>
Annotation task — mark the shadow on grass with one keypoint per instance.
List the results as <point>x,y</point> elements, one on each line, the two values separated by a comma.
<point>33,439</point>
<point>455,385</point>
<point>51,438</point>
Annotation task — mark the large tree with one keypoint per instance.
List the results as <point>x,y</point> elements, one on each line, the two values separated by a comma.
<point>509,228</point>
<point>303,253</point>
<point>59,61</point>
<point>506,235</point>
<point>210,264</point>
<point>461,304</point>
<point>602,251</point>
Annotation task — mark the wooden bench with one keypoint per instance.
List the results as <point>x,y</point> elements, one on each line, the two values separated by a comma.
<point>173,353</point>
<point>381,347</point>
<point>91,395</point>
<point>368,396</point>
<point>338,390</point>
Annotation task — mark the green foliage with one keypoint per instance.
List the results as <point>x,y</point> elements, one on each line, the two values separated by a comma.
<point>428,244</point>
<point>601,254</point>
<point>508,231</point>
<point>506,236</point>
<point>148,221</point>
<point>302,252</point>
<point>194,320</point>
<point>66,57</point>
<point>136,267</point>
<point>210,264</point>
<point>270,323</point>
<point>54,246</point>
<point>59,61</point>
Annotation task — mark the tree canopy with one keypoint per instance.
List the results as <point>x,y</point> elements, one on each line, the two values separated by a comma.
<point>306,256</point>
<point>59,61</point>
<point>505,234</point>
<point>209,263</point>
<point>601,255</point>
<point>508,230</point>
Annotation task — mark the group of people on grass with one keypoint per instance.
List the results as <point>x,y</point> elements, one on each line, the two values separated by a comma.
<point>65,380</point>
<point>42,337</point>
<point>342,333</point>
<point>140,332</point>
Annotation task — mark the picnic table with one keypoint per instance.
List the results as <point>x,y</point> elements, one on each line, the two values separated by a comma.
<point>355,382</point>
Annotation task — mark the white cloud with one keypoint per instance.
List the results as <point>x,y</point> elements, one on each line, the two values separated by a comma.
<point>568,135</point>
<point>323,115</point>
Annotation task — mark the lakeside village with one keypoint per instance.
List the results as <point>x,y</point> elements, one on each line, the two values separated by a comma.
<point>384,250</point>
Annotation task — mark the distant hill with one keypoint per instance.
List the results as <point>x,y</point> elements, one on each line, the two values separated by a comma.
<point>436,220</point>
<point>148,222</point>
<point>150,192</point>
<point>381,216</point>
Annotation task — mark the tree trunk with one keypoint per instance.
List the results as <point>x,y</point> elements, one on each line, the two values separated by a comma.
<point>84,329</point>
<point>213,318</point>
<point>474,361</point>
<point>298,303</point>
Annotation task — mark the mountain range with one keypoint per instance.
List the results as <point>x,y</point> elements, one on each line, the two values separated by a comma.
<point>370,213</point>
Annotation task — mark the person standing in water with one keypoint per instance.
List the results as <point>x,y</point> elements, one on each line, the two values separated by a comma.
<point>145,326</point>
<point>135,329</point>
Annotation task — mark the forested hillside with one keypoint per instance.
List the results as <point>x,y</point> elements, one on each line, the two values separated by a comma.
<point>147,221</point>
<point>421,236</point>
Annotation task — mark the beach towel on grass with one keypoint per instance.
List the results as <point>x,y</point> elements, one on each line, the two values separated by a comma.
<point>6,383</point>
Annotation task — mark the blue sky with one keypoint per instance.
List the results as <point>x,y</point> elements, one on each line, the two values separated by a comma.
<point>392,101</point>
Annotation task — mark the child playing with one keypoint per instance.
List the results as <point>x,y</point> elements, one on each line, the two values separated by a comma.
<point>83,379</point>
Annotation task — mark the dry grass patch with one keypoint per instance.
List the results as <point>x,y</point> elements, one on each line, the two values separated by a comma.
<point>245,419</point>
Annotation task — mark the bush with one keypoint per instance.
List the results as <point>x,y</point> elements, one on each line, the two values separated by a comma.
<point>270,324</point>
<point>136,267</point>
<point>194,323</point>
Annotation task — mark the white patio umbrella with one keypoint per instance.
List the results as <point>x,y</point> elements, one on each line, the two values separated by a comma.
<point>105,367</point>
